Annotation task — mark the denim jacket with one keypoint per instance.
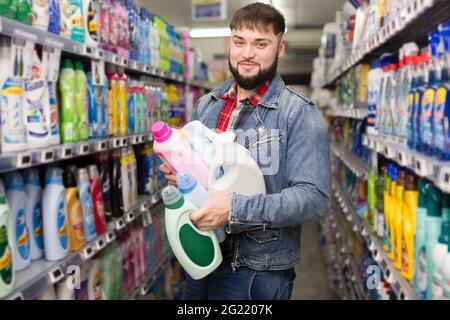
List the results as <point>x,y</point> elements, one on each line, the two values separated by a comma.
<point>287,137</point>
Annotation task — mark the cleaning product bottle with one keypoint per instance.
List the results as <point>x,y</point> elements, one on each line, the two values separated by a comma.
<point>146,165</point>
<point>105,184</point>
<point>69,121</point>
<point>197,251</point>
<point>126,180</point>
<point>201,139</point>
<point>142,98</point>
<point>7,274</point>
<point>398,219</point>
<point>429,95</point>
<point>8,9</point>
<point>174,149</point>
<point>409,226</point>
<point>87,206</point>
<point>432,230</point>
<point>13,130</point>
<point>103,91</point>
<point>97,198</point>
<point>442,99</point>
<point>74,213</point>
<point>81,101</point>
<point>391,211</point>
<point>91,27</point>
<point>33,211</point>
<point>132,107</point>
<point>17,201</point>
<point>65,7</point>
<point>40,14</point>
<point>438,256</point>
<point>95,279</point>
<point>122,100</point>
<point>54,13</point>
<point>134,177</point>
<point>116,190</point>
<point>55,215</point>
<point>197,195</point>
<point>113,102</point>
<point>94,120</point>
<point>379,213</point>
<point>55,137</point>
<point>419,254</point>
<point>24,12</point>
<point>415,60</point>
<point>36,106</point>
<point>77,19</point>
<point>371,200</point>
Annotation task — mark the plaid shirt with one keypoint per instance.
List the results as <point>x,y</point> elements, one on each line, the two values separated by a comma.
<point>232,111</point>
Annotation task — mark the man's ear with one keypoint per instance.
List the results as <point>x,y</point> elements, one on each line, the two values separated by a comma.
<point>281,48</point>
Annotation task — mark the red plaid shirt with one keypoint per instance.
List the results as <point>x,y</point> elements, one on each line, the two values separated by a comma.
<point>229,115</point>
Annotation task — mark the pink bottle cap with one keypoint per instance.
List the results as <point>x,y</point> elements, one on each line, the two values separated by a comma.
<point>161,131</point>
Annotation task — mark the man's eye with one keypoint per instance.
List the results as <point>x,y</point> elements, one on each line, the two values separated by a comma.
<point>239,43</point>
<point>261,45</point>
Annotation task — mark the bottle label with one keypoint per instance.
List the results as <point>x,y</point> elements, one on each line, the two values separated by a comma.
<point>89,214</point>
<point>37,225</point>
<point>405,262</point>
<point>438,117</point>
<point>411,117</point>
<point>13,128</point>
<point>427,116</point>
<point>6,264</point>
<point>22,236</point>
<point>437,289</point>
<point>92,20</point>
<point>76,219</point>
<point>422,272</point>
<point>62,225</point>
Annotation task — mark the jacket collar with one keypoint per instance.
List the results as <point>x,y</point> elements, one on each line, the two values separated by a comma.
<point>270,98</point>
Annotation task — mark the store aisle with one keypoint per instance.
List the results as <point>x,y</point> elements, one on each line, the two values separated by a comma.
<point>311,282</point>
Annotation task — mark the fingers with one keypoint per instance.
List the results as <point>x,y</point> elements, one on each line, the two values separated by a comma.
<point>164,169</point>
<point>171,178</point>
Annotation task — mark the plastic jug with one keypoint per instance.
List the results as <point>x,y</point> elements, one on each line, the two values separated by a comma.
<point>105,183</point>
<point>87,207</point>
<point>69,120</point>
<point>176,152</point>
<point>55,215</point>
<point>241,173</point>
<point>7,274</point>
<point>197,195</point>
<point>81,101</point>
<point>409,226</point>
<point>74,213</point>
<point>17,201</point>
<point>197,251</point>
<point>97,198</point>
<point>201,139</point>
<point>33,210</point>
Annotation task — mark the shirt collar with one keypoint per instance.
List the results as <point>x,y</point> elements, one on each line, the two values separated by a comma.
<point>254,98</point>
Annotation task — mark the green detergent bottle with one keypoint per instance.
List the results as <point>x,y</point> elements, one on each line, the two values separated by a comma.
<point>371,200</point>
<point>81,102</point>
<point>24,11</point>
<point>197,251</point>
<point>8,8</point>
<point>69,123</point>
<point>432,232</point>
<point>6,253</point>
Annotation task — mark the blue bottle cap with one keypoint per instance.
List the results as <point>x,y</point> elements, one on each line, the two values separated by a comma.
<point>186,182</point>
<point>31,176</point>
<point>433,39</point>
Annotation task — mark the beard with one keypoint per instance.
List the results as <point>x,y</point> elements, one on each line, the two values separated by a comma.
<point>252,82</point>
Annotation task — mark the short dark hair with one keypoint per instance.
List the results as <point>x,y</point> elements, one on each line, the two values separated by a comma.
<point>260,16</point>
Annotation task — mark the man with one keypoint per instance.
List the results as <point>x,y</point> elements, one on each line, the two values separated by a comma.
<point>263,231</point>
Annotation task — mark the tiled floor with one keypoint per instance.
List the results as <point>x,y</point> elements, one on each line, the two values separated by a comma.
<point>311,282</point>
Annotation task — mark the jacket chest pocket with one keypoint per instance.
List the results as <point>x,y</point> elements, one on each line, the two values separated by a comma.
<point>265,236</point>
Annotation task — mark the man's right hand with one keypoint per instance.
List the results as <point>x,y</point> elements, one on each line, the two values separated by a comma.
<point>170,177</point>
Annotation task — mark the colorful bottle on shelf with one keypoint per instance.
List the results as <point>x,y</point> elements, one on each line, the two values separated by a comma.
<point>7,273</point>
<point>55,215</point>
<point>116,186</point>
<point>54,13</point>
<point>81,101</point>
<point>69,115</point>
<point>40,14</point>
<point>419,240</point>
<point>105,182</point>
<point>438,256</point>
<point>34,212</point>
<point>91,23</point>
<point>197,251</point>
<point>409,226</point>
<point>77,20</point>
<point>24,11</point>
<point>97,198</point>
<point>87,207</point>
<point>398,219</point>
<point>74,213</point>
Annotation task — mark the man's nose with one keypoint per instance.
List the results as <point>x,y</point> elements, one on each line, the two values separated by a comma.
<point>248,52</point>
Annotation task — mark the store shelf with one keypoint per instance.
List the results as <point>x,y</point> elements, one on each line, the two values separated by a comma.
<point>410,25</point>
<point>347,112</point>
<point>20,30</point>
<point>41,274</point>
<point>37,156</point>
<point>400,285</point>
<point>353,162</point>
<point>151,277</point>
<point>350,260</point>
<point>424,166</point>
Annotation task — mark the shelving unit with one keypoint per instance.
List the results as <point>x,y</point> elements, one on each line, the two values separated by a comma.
<point>347,112</point>
<point>353,162</point>
<point>410,25</point>
<point>400,285</point>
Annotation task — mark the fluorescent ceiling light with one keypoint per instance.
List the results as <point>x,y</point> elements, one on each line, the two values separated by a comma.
<point>210,33</point>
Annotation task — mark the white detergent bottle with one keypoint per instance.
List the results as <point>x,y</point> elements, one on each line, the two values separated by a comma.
<point>17,201</point>
<point>197,251</point>
<point>196,194</point>
<point>33,211</point>
<point>54,215</point>
<point>87,206</point>
<point>241,173</point>
<point>13,131</point>
<point>37,106</point>
<point>201,139</point>
<point>7,274</point>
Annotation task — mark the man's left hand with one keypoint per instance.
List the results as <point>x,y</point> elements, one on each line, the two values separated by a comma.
<point>214,213</point>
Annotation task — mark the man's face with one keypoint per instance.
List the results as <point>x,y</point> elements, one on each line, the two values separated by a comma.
<point>254,55</point>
